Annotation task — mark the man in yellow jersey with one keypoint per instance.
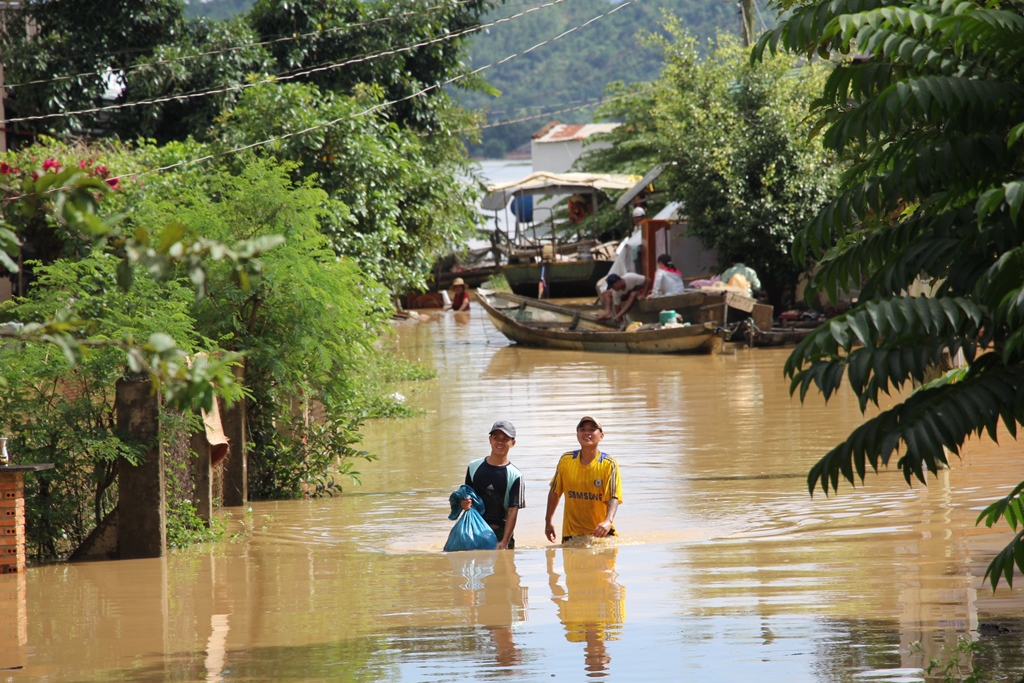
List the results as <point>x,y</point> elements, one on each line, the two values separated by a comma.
<point>591,484</point>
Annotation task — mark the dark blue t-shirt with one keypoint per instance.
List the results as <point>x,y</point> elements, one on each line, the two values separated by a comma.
<point>490,483</point>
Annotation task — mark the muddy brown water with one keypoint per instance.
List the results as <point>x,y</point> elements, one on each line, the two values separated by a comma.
<point>726,570</point>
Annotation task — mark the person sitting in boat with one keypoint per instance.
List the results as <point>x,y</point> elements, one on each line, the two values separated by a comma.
<point>622,292</point>
<point>460,300</point>
<point>668,280</point>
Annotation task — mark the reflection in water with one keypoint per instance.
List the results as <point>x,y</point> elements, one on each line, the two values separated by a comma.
<point>13,621</point>
<point>496,599</point>
<point>592,604</point>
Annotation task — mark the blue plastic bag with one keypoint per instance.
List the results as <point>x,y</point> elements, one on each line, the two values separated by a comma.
<point>471,531</point>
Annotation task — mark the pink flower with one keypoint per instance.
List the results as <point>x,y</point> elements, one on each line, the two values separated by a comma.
<point>113,182</point>
<point>102,170</point>
<point>35,175</point>
<point>51,165</point>
<point>5,169</point>
<point>82,164</point>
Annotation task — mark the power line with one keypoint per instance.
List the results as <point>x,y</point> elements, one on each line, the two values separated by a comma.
<point>587,105</point>
<point>285,75</point>
<point>376,107</point>
<point>244,46</point>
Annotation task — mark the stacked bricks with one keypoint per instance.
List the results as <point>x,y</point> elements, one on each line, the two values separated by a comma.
<point>12,522</point>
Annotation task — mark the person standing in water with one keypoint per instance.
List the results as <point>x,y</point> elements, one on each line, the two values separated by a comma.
<point>499,484</point>
<point>460,302</point>
<point>591,484</point>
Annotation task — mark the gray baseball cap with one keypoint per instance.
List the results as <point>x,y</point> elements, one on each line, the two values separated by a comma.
<point>505,427</point>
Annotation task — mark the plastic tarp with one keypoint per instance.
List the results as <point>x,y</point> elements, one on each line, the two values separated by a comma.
<point>470,531</point>
<point>541,183</point>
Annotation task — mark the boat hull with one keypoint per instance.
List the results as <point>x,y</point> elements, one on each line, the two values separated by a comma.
<point>564,278</point>
<point>555,327</point>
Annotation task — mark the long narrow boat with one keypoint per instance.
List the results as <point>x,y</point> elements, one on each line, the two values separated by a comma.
<point>531,322</point>
<point>563,278</point>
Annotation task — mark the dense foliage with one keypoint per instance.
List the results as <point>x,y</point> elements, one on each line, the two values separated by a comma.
<point>307,325</point>
<point>300,297</point>
<point>929,118</point>
<point>393,197</point>
<point>63,414</point>
<point>732,138</point>
<point>363,78</point>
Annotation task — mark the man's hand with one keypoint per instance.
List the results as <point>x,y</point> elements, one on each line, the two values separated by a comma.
<point>549,531</point>
<point>502,545</point>
<point>467,503</point>
<point>602,529</point>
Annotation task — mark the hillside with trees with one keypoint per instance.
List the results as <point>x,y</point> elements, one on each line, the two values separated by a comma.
<point>568,74</point>
<point>574,71</point>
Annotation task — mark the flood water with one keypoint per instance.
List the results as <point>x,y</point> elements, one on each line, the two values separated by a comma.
<point>725,570</point>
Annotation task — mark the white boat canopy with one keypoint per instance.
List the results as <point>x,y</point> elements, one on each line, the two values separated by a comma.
<point>541,183</point>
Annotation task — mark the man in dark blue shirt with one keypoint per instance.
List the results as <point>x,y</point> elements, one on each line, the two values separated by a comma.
<point>499,484</point>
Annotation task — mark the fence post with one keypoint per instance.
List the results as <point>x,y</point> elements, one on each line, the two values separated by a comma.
<point>236,467</point>
<point>142,520</point>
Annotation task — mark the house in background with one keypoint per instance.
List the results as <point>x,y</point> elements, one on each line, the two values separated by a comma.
<point>557,146</point>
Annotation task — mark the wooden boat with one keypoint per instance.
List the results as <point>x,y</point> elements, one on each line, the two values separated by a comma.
<point>564,279</point>
<point>532,322</point>
<point>746,332</point>
<point>473,277</point>
<point>697,306</point>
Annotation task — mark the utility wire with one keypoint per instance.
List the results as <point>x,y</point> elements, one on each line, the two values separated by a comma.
<point>285,75</point>
<point>381,105</point>
<point>587,105</point>
<point>137,50</point>
<point>236,48</point>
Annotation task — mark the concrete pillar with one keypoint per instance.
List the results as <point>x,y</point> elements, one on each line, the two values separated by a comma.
<point>202,476</point>
<point>142,520</point>
<point>236,466</point>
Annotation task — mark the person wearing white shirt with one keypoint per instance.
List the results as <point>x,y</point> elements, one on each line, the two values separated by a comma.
<point>668,280</point>
<point>621,293</point>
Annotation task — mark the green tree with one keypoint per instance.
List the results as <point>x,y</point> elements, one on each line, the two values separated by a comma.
<point>394,198</point>
<point>574,71</point>
<point>732,136</point>
<point>71,51</point>
<point>350,30</point>
<point>63,413</point>
<point>61,202</point>
<point>929,118</point>
<point>307,325</point>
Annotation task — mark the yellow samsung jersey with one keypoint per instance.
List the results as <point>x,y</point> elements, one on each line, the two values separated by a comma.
<point>587,490</point>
